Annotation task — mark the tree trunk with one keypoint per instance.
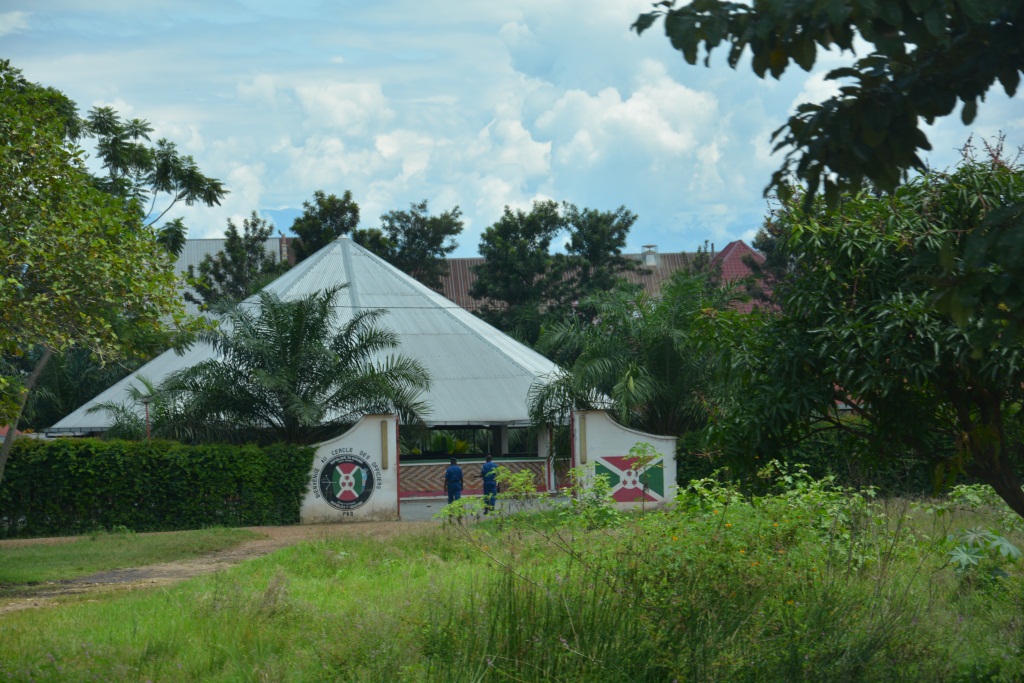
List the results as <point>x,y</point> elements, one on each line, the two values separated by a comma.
<point>1000,475</point>
<point>30,384</point>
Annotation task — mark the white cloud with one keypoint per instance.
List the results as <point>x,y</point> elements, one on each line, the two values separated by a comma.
<point>816,89</point>
<point>262,88</point>
<point>352,108</point>
<point>508,143</point>
<point>411,148</point>
<point>11,22</point>
<point>660,118</point>
<point>477,104</point>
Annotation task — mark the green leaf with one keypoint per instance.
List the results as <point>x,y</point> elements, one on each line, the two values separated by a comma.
<point>804,53</point>
<point>645,21</point>
<point>1005,548</point>
<point>977,11</point>
<point>964,557</point>
<point>1010,78</point>
<point>891,13</point>
<point>935,19</point>
<point>969,111</point>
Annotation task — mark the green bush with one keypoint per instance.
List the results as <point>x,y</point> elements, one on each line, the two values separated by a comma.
<point>892,470</point>
<point>70,486</point>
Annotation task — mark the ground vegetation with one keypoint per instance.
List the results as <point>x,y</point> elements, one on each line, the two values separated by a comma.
<point>804,581</point>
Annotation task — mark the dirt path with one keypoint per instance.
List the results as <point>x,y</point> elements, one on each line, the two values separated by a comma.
<point>167,573</point>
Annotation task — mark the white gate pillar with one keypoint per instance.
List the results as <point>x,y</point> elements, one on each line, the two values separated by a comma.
<point>604,444</point>
<point>355,475</point>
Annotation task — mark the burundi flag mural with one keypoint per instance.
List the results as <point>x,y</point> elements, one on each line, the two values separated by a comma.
<point>355,475</point>
<point>629,485</point>
<point>347,481</point>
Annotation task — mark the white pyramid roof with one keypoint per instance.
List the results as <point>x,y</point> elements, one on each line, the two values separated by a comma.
<point>479,375</point>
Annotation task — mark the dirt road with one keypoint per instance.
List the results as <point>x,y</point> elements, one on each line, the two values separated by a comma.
<point>274,538</point>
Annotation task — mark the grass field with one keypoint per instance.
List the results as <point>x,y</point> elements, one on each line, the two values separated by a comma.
<point>803,583</point>
<point>106,551</point>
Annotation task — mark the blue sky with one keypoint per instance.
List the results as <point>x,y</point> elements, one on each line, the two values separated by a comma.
<point>477,103</point>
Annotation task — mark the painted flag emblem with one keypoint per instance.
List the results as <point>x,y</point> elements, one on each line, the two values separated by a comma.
<point>347,481</point>
<point>629,485</point>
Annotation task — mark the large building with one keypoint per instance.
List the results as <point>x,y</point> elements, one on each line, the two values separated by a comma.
<point>654,267</point>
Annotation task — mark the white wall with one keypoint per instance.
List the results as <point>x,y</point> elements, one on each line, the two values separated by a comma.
<point>601,442</point>
<point>355,476</point>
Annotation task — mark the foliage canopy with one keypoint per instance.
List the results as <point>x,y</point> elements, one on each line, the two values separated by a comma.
<point>323,220</point>
<point>858,329</point>
<point>239,270</point>
<point>77,267</point>
<point>925,58</point>
<point>636,357</point>
<point>416,242</point>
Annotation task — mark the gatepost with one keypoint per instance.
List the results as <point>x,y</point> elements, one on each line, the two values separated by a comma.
<point>602,443</point>
<point>355,476</point>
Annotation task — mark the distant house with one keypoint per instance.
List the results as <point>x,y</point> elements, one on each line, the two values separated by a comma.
<point>655,268</point>
<point>734,264</point>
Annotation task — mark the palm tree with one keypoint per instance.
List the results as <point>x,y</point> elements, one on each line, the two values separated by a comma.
<point>637,358</point>
<point>288,372</point>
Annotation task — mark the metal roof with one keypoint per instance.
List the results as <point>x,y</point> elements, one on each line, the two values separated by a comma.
<point>479,375</point>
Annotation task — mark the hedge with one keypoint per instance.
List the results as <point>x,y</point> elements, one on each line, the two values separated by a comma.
<point>70,486</point>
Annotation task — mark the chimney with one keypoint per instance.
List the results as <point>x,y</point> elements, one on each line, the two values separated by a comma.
<point>650,254</point>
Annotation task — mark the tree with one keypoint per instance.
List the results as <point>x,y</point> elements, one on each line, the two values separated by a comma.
<point>515,280</point>
<point>416,242</point>
<point>243,267</point>
<point>926,57</point>
<point>857,328</point>
<point>139,173</point>
<point>69,380</point>
<point>593,261</point>
<point>288,371</point>
<point>637,358</point>
<point>324,220</point>
<point>525,286</point>
<point>77,269</point>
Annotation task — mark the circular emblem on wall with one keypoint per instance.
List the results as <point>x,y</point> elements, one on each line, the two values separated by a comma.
<point>345,482</point>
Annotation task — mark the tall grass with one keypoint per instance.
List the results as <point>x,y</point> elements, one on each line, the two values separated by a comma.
<point>805,583</point>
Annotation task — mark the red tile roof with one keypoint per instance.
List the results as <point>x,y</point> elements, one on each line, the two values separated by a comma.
<point>732,260</point>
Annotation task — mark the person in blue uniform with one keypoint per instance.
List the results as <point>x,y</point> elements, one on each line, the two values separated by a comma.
<point>453,481</point>
<point>490,476</point>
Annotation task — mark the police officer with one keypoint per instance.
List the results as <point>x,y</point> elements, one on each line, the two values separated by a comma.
<point>453,481</point>
<point>490,476</point>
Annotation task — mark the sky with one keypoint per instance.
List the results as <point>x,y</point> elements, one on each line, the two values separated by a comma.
<point>474,103</point>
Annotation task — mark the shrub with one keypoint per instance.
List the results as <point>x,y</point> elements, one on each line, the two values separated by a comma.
<point>70,486</point>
